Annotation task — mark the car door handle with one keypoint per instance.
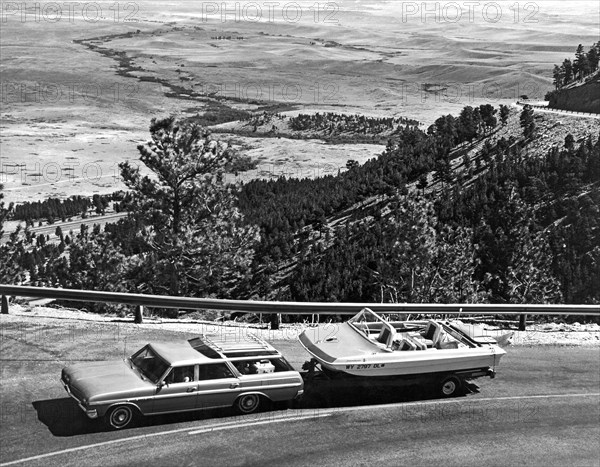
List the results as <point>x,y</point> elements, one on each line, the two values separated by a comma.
<point>234,385</point>
<point>192,389</point>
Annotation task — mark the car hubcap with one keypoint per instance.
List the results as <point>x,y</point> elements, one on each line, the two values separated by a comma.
<point>249,403</point>
<point>121,417</point>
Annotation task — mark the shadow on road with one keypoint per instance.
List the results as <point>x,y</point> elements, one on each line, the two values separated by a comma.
<point>330,393</point>
<point>63,417</point>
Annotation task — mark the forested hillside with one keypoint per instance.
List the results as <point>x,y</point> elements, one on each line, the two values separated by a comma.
<point>525,220</point>
<point>491,205</point>
<point>577,82</point>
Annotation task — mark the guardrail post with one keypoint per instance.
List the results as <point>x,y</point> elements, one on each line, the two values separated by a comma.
<point>4,305</point>
<point>139,314</point>
<point>275,319</point>
<point>522,319</point>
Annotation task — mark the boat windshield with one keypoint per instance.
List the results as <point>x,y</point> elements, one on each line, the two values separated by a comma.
<point>364,319</point>
<point>149,364</point>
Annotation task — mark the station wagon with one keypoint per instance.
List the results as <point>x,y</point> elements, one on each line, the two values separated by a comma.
<point>202,373</point>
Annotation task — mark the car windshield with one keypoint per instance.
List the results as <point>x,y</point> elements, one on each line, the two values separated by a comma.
<point>149,364</point>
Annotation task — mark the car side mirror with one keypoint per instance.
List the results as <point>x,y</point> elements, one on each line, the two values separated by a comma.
<point>161,384</point>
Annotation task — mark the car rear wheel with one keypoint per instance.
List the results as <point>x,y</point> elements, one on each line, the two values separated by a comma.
<point>120,416</point>
<point>248,403</point>
<point>449,386</point>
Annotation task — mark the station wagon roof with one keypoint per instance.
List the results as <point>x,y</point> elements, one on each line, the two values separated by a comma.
<point>179,353</point>
<point>232,345</point>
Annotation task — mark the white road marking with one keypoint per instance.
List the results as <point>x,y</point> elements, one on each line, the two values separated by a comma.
<point>458,400</point>
<point>318,414</point>
<point>263,422</point>
<point>214,427</point>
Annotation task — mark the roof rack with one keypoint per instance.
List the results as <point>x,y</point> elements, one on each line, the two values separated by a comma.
<point>220,344</point>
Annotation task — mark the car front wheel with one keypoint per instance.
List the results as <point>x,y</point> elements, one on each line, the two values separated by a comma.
<point>248,403</point>
<point>119,417</point>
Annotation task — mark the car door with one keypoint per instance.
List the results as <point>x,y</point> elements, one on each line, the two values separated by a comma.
<point>178,390</point>
<point>217,385</point>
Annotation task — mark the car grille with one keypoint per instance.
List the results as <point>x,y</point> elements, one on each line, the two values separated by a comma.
<point>77,394</point>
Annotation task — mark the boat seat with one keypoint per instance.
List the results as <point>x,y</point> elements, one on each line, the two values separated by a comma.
<point>448,345</point>
<point>432,334</point>
<point>418,341</point>
<point>403,343</point>
<point>386,336</point>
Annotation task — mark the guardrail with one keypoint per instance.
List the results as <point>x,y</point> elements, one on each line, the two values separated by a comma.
<point>291,308</point>
<point>545,107</point>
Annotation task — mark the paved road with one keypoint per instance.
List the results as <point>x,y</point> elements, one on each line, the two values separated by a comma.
<point>50,229</point>
<point>559,111</point>
<point>542,409</point>
<point>536,430</point>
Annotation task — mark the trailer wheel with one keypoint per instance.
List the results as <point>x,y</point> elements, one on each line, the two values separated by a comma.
<point>449,386</point>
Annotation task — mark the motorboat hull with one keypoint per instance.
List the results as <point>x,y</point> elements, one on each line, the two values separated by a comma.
<point>341,348</point>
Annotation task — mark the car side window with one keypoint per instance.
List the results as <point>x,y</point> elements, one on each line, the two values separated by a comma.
<point>180,374</point>
<point>263,365</point>
<point>215,371</point>
<point>244,366</point>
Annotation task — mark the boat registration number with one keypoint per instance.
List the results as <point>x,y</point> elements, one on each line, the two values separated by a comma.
<point>365,366</point>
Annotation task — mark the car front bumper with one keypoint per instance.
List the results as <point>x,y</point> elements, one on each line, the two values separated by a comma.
<point>91,413</point>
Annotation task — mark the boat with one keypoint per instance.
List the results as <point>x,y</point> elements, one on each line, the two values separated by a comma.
<point>370,346</point>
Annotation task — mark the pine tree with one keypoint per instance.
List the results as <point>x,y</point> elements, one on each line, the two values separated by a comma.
<point>468,121</point>
<point>426,261</point>
<point>567,66</point>
<point>422,183</point>
<point>488,118</point>
<point>504,113</point>
<point>527,122</point>
<point>196,240</point>
<point>529,276</point>
<point>569,142</point>
<point>578,64</point>
<point>3,210</point>
<point>593,58</point>
<point>558,74</point>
